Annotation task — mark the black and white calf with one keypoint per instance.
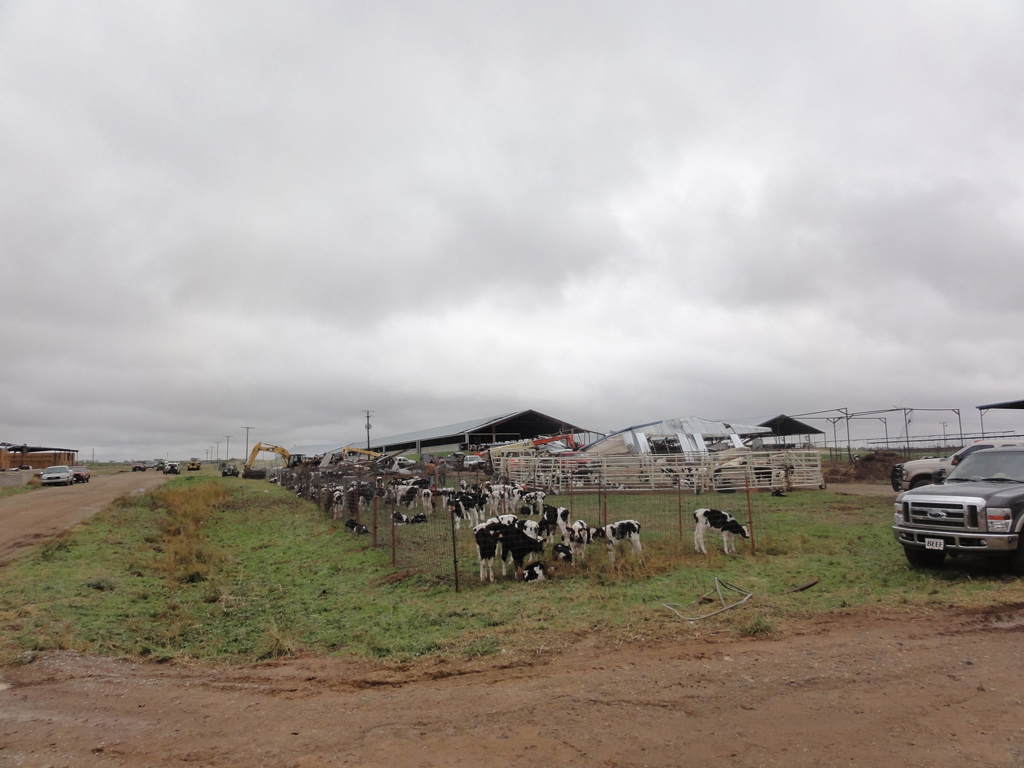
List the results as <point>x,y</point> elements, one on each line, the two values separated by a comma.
<point>534,572</point>
<point>562,552</point>
<point>624,530</point>
<point>721,521</point>
<point>487,536</point>
<point>554,519</point>
<point>579,535</point>
<point>534,500</point>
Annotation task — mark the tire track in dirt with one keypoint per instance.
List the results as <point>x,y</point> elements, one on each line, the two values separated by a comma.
<point>31,518</point>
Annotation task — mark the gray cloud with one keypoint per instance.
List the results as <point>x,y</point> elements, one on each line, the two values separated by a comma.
<point>248,213</point>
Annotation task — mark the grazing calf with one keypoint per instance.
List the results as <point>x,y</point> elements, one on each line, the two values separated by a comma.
<point>534,572</point>
<point>624,530</point>
<point>722,521</point>
<point>579,535</point>
<point>487,536</point>
<point>562,552</point>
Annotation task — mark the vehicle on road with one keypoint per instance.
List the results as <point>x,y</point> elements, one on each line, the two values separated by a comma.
<point>59,475</point>
<point>194,464</point>
<point>172,468</point>
<point>913,474</point>
<point>978,510</point>
<point>139,466</point>
<point>82,474</point>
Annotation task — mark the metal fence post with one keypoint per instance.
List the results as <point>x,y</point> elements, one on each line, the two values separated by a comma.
<point>604,507</point>
<point>679,497</point>
<point>394,556</point>
<point>455,551</point>
<point>750,519</point>
<point>374,520</point>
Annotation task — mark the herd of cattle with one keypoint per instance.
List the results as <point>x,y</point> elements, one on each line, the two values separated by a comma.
<point>505,535</point>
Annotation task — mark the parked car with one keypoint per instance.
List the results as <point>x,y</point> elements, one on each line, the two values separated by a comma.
<point>82,474</point>
<point>229,471</point>
<point>172,468</point>
<point>977,510</point>
<point>60,475</point>
<point>139,466</point>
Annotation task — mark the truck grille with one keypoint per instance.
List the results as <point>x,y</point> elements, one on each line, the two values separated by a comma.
<point>943,514</point>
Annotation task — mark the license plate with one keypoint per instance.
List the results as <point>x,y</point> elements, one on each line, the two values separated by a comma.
<point>934,543</point>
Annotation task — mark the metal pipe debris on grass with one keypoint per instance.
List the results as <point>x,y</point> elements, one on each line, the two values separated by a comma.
<point>719,583</point>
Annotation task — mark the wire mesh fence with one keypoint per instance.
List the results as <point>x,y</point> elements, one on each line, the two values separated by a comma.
<point>444,549</point>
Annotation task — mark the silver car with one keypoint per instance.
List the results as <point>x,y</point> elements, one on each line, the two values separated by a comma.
<point>58,476</point>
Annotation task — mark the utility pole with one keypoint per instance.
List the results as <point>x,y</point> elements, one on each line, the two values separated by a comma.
<point>246,440</point>
<point>943,435</point>
<point>217,443</point>
<point>227,448</point>
<point>368,429</point>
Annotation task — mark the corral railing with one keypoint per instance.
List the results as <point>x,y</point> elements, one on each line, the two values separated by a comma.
<point>696,472</point>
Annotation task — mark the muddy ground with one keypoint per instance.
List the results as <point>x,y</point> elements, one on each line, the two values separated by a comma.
<point>927,689</point>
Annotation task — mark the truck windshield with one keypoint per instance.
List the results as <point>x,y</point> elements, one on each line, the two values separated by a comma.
<point>990,466</point>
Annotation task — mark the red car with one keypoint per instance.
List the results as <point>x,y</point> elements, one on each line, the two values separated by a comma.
<point>139,466</point>
<point>82,474</point>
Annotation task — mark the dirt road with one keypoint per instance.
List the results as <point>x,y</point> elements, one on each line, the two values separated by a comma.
<point>935,690</point>
<point>31,517</point>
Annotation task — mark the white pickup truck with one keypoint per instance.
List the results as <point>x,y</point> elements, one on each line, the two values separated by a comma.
<point>916,473</point>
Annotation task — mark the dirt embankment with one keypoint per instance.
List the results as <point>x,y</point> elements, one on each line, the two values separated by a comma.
<point>933,690</point>
<point>875,467</point>
<point>31,517</point>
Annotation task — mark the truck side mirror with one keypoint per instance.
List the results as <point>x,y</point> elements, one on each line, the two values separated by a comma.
<point>939,476</point>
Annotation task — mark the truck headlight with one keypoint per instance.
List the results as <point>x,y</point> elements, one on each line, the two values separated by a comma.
<point>999,519</point>
<point>899,517</point>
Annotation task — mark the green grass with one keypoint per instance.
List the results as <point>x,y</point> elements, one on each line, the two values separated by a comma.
<point>17,490</point>
<point>242,570</point>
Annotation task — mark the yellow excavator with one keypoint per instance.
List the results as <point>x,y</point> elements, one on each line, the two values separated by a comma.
<point>290,459</point>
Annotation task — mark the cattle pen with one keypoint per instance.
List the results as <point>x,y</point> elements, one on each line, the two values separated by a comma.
<point>421,535</point>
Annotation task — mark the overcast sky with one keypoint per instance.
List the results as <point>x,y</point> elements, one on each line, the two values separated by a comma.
<point>280,214</point>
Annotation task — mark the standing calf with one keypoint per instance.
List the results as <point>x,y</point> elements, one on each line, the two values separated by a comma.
<point>624,530</point>
<point>722,521</point>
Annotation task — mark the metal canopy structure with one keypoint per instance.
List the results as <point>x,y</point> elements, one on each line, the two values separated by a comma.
<point>786,426</point>
<point>507,427</point>
<point>1009,405</point>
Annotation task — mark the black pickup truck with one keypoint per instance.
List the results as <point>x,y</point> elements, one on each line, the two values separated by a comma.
<point>977,509</point>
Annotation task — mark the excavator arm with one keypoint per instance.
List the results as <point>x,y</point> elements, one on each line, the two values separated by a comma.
<point>256,449</point>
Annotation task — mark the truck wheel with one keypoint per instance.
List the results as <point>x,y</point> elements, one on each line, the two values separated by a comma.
<point>919,481</point>
<point>924,558</point>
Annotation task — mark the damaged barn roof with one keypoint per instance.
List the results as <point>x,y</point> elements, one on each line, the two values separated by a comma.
<point>674,436</point>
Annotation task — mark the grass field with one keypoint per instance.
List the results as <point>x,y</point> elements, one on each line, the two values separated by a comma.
<point>235,570</point>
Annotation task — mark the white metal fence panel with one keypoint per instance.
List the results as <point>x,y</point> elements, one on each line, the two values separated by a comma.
<point>695,472</point>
